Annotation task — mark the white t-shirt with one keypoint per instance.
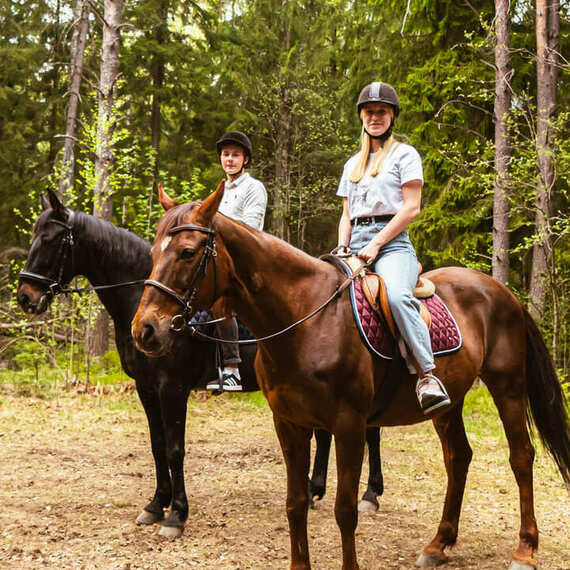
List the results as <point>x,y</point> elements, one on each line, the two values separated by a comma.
<point>245,200</point>
<point>381,194</point>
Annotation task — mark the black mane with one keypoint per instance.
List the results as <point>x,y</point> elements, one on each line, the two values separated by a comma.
<point>115,242</point>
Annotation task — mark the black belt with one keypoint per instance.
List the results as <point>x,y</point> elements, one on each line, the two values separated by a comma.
<point>367,220</point>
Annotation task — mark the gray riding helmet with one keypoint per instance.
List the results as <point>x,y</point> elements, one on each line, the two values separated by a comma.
<point>378,92</point>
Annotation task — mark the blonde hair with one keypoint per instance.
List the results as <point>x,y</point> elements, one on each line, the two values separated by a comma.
<point>362,161</point>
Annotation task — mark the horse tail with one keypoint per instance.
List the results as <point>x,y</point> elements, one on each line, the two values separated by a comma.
<point>546,406</point>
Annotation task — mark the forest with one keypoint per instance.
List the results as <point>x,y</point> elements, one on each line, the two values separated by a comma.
<point>100,100</point>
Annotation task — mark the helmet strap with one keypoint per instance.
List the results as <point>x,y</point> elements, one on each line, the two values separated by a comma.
<point>384,136</point>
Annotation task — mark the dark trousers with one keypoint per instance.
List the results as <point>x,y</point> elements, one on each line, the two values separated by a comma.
<point>228,330</point>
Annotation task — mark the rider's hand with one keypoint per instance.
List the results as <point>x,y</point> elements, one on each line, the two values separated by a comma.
<point>342,251</point>
<point>369,252</point>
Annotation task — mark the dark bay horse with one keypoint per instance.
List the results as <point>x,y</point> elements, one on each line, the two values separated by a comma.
<point>319,375</point>
<point>68,243</point>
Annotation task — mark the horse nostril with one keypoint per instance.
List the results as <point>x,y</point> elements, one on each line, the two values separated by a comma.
<point>23,300</point>
<point>148,332</point>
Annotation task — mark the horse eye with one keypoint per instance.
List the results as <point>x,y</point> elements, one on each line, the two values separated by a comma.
<point>187,253</point>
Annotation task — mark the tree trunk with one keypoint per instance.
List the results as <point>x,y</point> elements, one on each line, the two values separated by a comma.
<point>158,74</point>
<point>547,33</point>
<point>80,27</point>
<point>104,156</point>
<point>502,144</point>
<point>281,189</point>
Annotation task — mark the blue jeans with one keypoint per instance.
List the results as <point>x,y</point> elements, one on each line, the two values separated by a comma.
<point>398,265</point>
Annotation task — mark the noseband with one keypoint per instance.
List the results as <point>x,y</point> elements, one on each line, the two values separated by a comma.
<point>178,321</point>
<point>55,287</point>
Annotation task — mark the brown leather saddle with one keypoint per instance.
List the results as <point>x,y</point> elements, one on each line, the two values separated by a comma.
<point>374,290</point>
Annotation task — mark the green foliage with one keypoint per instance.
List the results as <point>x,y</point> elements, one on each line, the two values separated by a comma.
<point>288,73</point>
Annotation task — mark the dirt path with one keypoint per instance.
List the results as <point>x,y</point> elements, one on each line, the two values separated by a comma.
<point>75,472</point>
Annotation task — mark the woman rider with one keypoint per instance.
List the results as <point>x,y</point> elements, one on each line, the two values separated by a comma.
<point>381,187</point>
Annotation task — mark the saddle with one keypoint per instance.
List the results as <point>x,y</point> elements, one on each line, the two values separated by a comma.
<point>374,290</point>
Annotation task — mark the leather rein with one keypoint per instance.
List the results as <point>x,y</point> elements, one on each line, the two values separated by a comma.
<point>54,286</point>
<point>179,321</point>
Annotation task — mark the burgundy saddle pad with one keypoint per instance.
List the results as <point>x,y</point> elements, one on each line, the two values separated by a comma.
<point>444,333</point>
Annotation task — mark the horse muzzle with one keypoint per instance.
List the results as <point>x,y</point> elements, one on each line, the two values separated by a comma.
<point>152,334</point>
<point>32,300</point>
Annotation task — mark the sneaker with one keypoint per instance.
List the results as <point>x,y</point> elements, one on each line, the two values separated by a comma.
<point>230,383</point>
<point>431,394</point>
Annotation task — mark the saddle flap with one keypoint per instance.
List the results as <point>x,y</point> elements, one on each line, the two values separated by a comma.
<point>374,290</point>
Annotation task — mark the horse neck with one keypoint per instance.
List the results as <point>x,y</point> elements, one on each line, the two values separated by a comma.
<point>106,255</point>
<point>273,284</point>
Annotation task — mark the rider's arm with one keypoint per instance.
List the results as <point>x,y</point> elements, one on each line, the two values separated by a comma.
<point>344,226</point>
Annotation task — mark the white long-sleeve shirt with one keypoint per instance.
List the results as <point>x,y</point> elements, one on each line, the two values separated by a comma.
<point>245,200</point>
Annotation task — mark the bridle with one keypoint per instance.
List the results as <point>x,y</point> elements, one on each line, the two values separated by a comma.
<point>55,287</point>
<point>180,320</point>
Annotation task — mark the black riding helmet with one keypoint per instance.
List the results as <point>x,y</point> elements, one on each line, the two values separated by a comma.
<point>378,92</point>
<point>235,137</point>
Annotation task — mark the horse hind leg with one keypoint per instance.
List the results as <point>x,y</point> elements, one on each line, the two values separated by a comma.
<point>457,457</point>
<point>318,481</point>
<point>509,396</point>
<point>369,502</point>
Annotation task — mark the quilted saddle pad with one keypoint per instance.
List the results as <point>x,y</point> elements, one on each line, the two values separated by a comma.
<point>444,333</point>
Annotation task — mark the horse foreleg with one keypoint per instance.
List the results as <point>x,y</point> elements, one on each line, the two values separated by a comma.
<point>173,401</point>
<point>349,444</point>
<point>296,446</point>
<point>154,511</point>
<point>318,482</point>
<point>512,411</point>
<point>457,457</point>
<point>369,502</point>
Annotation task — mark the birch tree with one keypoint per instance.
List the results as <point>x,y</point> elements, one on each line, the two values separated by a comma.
<point>104,156</point>
<point>80,28</point>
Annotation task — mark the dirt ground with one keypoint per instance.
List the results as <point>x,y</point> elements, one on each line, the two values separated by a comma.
<point>75,472</point>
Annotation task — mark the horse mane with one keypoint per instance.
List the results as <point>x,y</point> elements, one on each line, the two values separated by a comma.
<point>115,242</point>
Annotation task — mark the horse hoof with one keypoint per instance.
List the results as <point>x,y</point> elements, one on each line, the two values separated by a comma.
<point>517,565</point>
<point>367,507</point>
<point>170,531</point>
<point>426,560</point>
<point>148,518</point>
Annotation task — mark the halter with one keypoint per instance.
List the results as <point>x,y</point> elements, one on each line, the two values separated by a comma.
<point>179,321</point>
<point>54,287</point>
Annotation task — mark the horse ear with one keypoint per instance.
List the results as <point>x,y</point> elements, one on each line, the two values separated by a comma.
<point>165,200</point>
<point>55,203</point>
<point>210,205</point>
<point>45,203</point>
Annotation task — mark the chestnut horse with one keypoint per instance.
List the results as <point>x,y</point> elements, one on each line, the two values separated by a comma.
<point>319,374</point>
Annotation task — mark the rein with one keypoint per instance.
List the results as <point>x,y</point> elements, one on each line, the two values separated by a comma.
<point>179,321</point>
<point>54,286</point>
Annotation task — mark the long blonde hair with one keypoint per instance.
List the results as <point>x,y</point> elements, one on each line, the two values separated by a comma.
<point>362,161</point>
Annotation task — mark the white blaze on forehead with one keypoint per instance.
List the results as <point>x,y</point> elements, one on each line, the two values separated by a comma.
<point>165,242</point>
